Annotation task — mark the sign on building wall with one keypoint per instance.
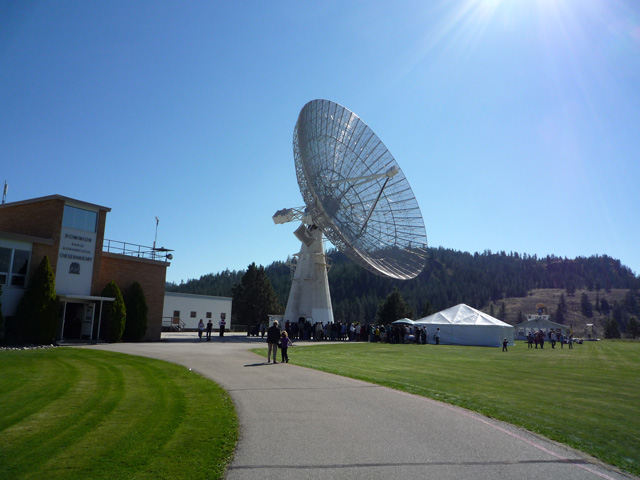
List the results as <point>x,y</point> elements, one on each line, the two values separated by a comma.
<point>75,262</point>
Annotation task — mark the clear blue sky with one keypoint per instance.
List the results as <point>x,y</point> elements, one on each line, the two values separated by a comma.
<point>517,122</point>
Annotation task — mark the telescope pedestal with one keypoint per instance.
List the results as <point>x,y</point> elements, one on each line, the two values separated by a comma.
<point>309,296</point>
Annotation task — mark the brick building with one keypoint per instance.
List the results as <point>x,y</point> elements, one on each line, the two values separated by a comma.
<point>71,233</point>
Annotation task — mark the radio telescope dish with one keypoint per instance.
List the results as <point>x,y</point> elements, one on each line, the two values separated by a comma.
<point>356,195</point>
<point>356,192</point>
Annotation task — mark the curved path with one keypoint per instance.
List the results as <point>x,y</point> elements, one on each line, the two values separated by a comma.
<point>297,423</point>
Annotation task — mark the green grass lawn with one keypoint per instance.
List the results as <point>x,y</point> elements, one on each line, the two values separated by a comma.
<point>587,397</point>
<point>71,413</point>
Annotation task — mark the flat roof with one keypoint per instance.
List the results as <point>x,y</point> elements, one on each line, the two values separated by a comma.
<point>69,200</point>
<point>26,238</point>
<point>85,298</point>
<point>194,295</point>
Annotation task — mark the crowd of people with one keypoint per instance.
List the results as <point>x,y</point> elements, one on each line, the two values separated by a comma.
<point>356,332</point>
<point>553,337</point>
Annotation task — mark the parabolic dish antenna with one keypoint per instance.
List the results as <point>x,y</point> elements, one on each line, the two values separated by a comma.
<point>356,195</point>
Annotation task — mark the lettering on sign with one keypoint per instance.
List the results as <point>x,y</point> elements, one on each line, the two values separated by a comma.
<point>74,247</point>
<point>76,256</point>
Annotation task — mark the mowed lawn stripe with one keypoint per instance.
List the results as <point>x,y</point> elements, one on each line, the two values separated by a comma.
<point>121,417</point>
<point>587,397</point>
<point>14,388</point>
<point>95,390</point>
<point>124,439</point>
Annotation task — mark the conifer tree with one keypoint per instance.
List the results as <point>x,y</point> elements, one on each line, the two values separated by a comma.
<point>618,314</point>
<point>254,298</point>
<point>393,308</point>
<point>37,312</point>
<point>605,308</point>
<point>427,309</point>
<point>502,314</point>
<point>114,314</point>
<point>611,329</point>
<point>1,318</point>
<point>585,305</point>
<point>135,302</point>
<point>562,305</point>
<point>633,327</point>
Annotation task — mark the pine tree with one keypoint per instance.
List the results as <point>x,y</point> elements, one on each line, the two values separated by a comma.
<point>1,318</point>
<point>393,308</point>
<point>37,312</point>
<point>611,329</point>
<point>502,314</point>
<point>135,302</point>
<point>427,309</point>
<point>605,308</point>
<point>618,314</point>
<point>633,327</point>
<point>562,306</point>
<point>254,298</point>
<point>585,305</point>
<point>114,314</point>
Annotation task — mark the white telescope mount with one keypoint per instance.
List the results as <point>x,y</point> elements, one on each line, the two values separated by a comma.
<point>309,297</point>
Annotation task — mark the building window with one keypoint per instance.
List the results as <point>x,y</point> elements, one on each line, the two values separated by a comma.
<point>20,267</point>
<point>176,314</point>
<point>79,219</point>
<point>5,263</point>
<point>193,314</point>
<point>208,314</point>
<point>14,265</point>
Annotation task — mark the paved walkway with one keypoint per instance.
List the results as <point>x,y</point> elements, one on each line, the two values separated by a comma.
<point>297,423</point>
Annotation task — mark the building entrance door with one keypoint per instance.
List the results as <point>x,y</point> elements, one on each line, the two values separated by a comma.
<point>72,322</point>
<point>87,321</point>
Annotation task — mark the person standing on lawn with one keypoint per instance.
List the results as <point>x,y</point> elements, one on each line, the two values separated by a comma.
<point>273,336</point>
<point>285,343</point>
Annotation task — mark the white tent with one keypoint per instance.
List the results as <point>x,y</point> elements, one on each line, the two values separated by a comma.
<point>404,321</point>
<point>463,325</point>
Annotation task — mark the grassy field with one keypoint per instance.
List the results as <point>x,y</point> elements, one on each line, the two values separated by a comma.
<point>587,397</point>
<point>77,414</point>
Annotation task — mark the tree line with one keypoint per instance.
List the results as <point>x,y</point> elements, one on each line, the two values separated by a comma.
<point>450,277</point>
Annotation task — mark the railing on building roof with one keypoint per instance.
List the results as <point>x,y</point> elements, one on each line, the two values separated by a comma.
<point>133,250</point>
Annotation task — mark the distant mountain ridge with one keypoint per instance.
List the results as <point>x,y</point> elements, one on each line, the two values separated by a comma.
<point>449,278</point>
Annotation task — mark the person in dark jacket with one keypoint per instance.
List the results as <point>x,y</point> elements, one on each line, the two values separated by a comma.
<point>273,337</point>
<point>209,330</point>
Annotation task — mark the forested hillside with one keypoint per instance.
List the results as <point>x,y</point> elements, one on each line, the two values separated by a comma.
<point>450,277</point>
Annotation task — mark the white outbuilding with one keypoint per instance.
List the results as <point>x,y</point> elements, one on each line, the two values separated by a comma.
<point>537,323</point>
<point>463,325</point>
<point>183,311</point>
